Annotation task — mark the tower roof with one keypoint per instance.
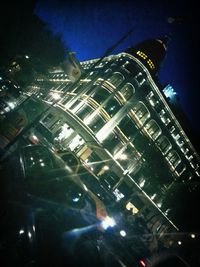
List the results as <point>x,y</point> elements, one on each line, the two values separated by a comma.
<point>150,52</point>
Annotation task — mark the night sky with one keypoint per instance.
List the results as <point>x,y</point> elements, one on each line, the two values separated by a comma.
<point>90,27</point>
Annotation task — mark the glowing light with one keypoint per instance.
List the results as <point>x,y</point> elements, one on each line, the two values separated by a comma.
<point>154,195</point>
<point>85,187</point>
<point>26,56</point>
<point>142,263</point>
<point>142,183</point>
<point>108,222</point>
<point>55,96</point>
<point>193,235</point>
<point>159,205</point>
<point>122,233</point>
<point>106,168</point>
<point>11,105</point>
<point>169,92</point>
<point>76,199</point>
<point>179,243</point>
<point>21,231</point>
<point>29,234</point>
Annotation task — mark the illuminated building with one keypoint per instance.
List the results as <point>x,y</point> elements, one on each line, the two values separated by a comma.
<point>117,120</point>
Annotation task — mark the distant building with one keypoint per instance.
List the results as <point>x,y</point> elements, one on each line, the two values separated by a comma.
<point>117,119</point>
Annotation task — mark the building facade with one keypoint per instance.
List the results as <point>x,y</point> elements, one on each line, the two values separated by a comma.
<point>117,119</point>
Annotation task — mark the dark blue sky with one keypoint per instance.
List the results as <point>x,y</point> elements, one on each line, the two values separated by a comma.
<point>90,27</point>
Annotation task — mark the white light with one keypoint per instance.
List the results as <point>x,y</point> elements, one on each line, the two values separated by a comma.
<point>29,234</point>
<point>26,56</point>
<point>123,156</point>
<point>76,199</point>
<point>179,243</point>
<point>85,187</point>
<point>108,222</point>
<point>11,105</point>
<point>159,205</point>
<point>21,231</point>
<point>142,183</point>
<point>55,96</point>
<point>154,195</point>
<point>122,233</point>
<point>106,168</point>
<point>193,235</point>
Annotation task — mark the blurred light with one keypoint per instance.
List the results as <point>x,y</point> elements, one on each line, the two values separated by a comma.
<point>142,263</point>
<point>85,187</point>
<point>130,206</point>
<point>159,205</point>
<point>152,197</point>
<point>26,56</point>
<point>169,92</point>
<point>55,96</point>
<point>21,231</point>
<point>179,243</point>
<point>122,233</point>
<point>11,105</point>
<point>29,234</point>
<point>106,168</point>
<point>108,222</point>
<point>193,235</point>
<point>76,199</point>
<point>142,183</point>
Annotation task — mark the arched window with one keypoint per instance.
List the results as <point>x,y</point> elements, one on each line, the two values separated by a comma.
<point>127,91</point>
<point>174,158</point>
<point>116,78</point>
<point>141,112</point>
<point>153,129</point>
<point>164,144</point>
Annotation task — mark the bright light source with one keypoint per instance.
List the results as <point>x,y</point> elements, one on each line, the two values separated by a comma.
<point>152,197</point>
<point>106,168</point>
<point>21,231</point>
<point>159,205</point>
<point>179,243</point>
<point>108,222</point>
<point>193,235</point>
<point>11,105</point>
<point>122,233</point>
<point>55,96</point>
<point>75,199</point>
<point>142,183</point>
<point>85,187</point>
<point>26,56</point>
<point>142,263</point>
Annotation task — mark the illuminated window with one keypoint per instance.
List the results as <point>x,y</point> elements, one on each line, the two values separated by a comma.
<point>112,107</point>
<point>76,142</point>
<point>127,90</point>
<point>173,158</point>
<point>141,112</point>
<point>116,78</point>
<point>130,206</point>
<point>153,129</point>
<point>100,95</point>
<point>127,126</point>
<point>152,99</point>
<point>141,54</point>
<point>180,168</point>
<point>164,144</point>
<point>151,64</point>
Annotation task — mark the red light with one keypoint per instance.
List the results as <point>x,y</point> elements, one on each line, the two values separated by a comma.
<point>142,263</point>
